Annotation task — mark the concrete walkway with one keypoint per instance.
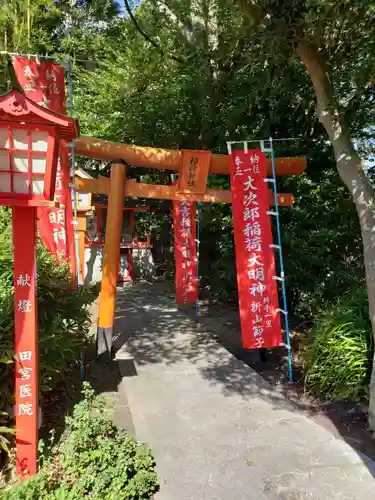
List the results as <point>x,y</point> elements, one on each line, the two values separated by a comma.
<point>217,430</point>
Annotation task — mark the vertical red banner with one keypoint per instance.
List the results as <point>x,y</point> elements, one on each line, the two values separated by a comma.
<point>43,82</point>
<point>185,235</point>
<point>25,314</point>
<point>55,224</point>
<point>255,262</point>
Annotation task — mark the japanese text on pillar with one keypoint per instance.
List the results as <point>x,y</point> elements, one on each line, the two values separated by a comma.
<point>24,368</point>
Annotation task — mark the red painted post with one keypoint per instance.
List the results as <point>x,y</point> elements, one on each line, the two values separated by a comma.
<point>26,345</point>
<point>24,190</point>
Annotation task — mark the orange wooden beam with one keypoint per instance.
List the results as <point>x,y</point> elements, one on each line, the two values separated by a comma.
<point>139,190</point>
<point>98,186</point>
<point>168,159</point>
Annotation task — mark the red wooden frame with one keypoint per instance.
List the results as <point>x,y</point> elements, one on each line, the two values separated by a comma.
<point>18,112</point>
<point>51,158</point>
<point>15,107</point>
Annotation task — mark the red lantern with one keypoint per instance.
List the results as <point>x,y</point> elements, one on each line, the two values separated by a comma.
<point>29,147</point>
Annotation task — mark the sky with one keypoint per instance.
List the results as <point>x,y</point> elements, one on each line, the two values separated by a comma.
<point>132,3</point>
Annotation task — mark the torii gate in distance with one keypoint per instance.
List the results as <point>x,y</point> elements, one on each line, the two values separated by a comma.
<point>117,187</point>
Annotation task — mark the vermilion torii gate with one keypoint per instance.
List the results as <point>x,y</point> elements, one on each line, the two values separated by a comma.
<point>193,168</point>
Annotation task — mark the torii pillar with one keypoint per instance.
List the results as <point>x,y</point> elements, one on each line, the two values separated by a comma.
<point>111,258</point>
<point>116,188</point>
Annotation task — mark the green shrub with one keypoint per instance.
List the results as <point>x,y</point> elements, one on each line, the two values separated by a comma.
<point>94,460</point>
<point>338,361</point>
<point>5,433</point>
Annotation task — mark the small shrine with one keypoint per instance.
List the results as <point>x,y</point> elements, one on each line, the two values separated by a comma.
<point>136,259</point>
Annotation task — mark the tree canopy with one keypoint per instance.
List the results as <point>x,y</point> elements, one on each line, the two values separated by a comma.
<point>209,74</point>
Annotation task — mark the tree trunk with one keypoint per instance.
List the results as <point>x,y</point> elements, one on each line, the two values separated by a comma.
<point>350,169</point>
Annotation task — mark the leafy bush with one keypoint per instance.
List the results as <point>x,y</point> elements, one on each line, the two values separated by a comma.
<point>338,361</point>
<point>5,432</point>
<point>94,460</point>
<point>63,321</point>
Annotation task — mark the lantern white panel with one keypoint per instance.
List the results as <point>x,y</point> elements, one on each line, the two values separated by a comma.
<point>39,140</point>
<point>20,162</point>
<point>4,141</point>
<point>4,160</point>
<point>38,164</point>
<point>37,185</point>
<point>20,184</point>
<point>4,182</point>
<point>20,139</point>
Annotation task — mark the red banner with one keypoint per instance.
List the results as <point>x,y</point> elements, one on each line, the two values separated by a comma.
<point>185,235</point>
<point>43,82</point>
<point>55,224</point>
<point>257,288</point>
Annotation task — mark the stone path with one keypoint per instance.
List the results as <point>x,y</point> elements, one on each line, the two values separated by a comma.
<point>216,428</point>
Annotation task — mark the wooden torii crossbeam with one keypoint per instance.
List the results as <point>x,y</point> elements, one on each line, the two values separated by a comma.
<point>193,168</point>
<point>136,189</point>
<point>174,160</point>
<point>168,159</point>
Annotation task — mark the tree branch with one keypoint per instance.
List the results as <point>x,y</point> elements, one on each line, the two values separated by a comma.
<point>171,17</point>
<point>149,39</point>
<point>317,69</point>
<point>328,113</point>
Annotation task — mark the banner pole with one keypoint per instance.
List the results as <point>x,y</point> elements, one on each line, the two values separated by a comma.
<point>281,261</point>
<point>73,176</point>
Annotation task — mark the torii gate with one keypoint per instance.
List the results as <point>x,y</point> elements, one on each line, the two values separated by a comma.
<point>117,187</point>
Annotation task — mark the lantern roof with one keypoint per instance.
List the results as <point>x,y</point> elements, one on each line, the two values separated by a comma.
<point>15,107</point>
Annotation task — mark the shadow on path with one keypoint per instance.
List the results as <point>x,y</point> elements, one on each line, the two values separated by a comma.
<point>155,326</point>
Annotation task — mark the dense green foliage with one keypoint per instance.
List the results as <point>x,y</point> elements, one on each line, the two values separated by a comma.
<point>208,76</point>
<point>227,83</point>
<point>94,460</point>
<point>339,360</point>
<point>232,83</point>
<point>63,319</point>
<point>136,94</point>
